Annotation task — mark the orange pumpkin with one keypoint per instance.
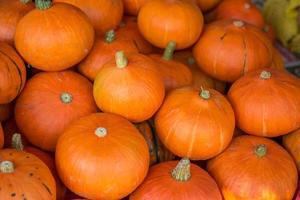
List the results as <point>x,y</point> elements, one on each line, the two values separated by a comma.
<point>162,21</point>
<point>232,48</point>
<point>173,180</point>
<point>6,111</point>
<point>108,145</point>
<point>103,51</point>
<point>49,102</point>
<point>24,176</point>
<point>104,14</point>
<point>291,143</point>
<point>1,136</point>
<point>12,73</point>
<point>243,10</point>
<point>132,7</point>
<point>129,86</point>
<point>206,5</point>
<point>193,124</point>
<point>277,62</point>
<point>45,42</point>
<point>266,102</point>
<point>254,168</point>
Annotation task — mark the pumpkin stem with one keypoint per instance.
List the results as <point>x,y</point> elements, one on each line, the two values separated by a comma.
<point>121,59</point>
<point>182,171</point>
<point>205,94</point>
<point>43,4</point>
<point>16,142</point>
<point>169,51</point>
<point>7,167</point>
<point>110,36</point>
<point>238,23</point>
<point>66,97</point>
<point>25,1</point>
<point>260,150</point>
<point>265,75</point>
<point>101,132</point>
<point>191,61</point>
<point>247,5</point>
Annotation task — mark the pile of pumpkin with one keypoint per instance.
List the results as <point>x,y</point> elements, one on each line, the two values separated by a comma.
<point>137,98</point>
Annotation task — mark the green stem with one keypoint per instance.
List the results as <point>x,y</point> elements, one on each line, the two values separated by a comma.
<point>43,4</point>
<point>169,51</point>
<point>260,150</point>
<point>66,97</point>
<point>101,132</point>
<point>265,75</point>
<point>121,59</point>
<point>182,171</point>
<point>205,94</point>
<point>7,167</point>
<point>16,142</point>
<point>25,1</point>
<point>110,36</point>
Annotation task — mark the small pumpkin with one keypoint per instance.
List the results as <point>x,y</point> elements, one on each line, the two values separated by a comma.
<point>261,111</point>
<point>177,180</point>
<point>132,7</point>
<point>105,15</point>
<point>12,73</point>
<point>11,11</point>
<point>291,142</point>
<point>24,176</point>
<point>206,5</point>
<point>103,51</point>
<point>45,42</point>
<point>195,124</point>
<point>162,21</point>
<point>254,168</point>
<point>129,86</point>
<point>232,48</point>
<point>6,111</point>
<point>1,137</point>
<point>49,102</point>
<point>108,145</point>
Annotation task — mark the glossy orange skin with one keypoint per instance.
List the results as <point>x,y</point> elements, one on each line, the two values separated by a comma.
<point>175,74</point>
<point>291,142</point>
<point>132,7</point>
<point>12,73</point>
<point>122,153</point>
<point>135,92</point>
<point>190,126</point>
<point>261,108</point>
<point>277,62</point>
<point>241,174</point>
<point>6,111</point>
<point>103,52</point>
<point>40,113</point>
<point>104,14</point>
<point>45,42</point>
<point>1,136</point>
<point>160,185</point>
<point>162,21</point>
<point>232,51</point>
<point>206,5</point>
<point>11,11</point>
<point>31,178</point>
<point>243,10</point>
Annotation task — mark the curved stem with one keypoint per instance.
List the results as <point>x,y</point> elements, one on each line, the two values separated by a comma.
<point>121,59</point>
<point>169,51</point>
<point>182,171</point>
<point>7,167</point>
<point>110,36</point>
<point>101,132</point>
<point>260,150</point>
<point>265,75</point>
<point>16,142</point>
<point>66,97</point>
<point>43,4</point>
<point>205,94</point>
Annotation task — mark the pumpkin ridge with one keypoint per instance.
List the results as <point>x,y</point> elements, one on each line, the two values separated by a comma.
<point>245,68</point>
<point>215,61</point>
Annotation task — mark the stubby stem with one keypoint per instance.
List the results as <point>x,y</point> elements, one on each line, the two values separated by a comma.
<point>238,23</point>
<point>247,5</point>
<point>25,1</point>
<point>43,4</point>
<point>16,142</point>
<point>169,51</point>
<point>110,36</point>
<point>260,150</point>
<point>121,59</point>
<point>101,132</point>
<point>265,75</point>
<point>182,171</point>
<point>66,97</point>
<point>205,94</point>
<point>7,167</point>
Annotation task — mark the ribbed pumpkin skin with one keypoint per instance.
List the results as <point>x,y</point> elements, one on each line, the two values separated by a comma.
<point>6,111</point>
<point>162,21</point>
<point>12,73</point>
<point>122,153</point>
<point>135,92</point>
<point>291,142</point>
<point>241,174</point>
<point>11,11</point>
<point>190,126</point>
<point>266,107</point>
<point>277,62</point>
<point>104,14</point>
<point>44,41</point>
<point>1,136</point>
<point>31,179</point>
<point>206,5</point>
<point>159,185</point>
<point>232,51</point>
<point>40,113</point>
<point>132,7</point>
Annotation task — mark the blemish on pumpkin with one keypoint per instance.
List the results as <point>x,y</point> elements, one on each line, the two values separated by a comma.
<point>10,185</point>
<point>13,194</point>
<point>47,188</point>
<point>223,36</point>
<point>27,156</point>
<point>10,154</point>
<point>30,174</point>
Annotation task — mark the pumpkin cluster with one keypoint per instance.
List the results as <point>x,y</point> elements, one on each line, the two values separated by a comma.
<point>145,100</point>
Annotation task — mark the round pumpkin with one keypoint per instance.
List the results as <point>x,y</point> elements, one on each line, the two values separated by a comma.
<point>49,102</point>
<point>129,86</point>
<point>111,157</point>
<point>232,48</point>
<point>44,41</point>
<point>195,124</point>
<point>103,51</point>
<point>6,111</point>
<point>132,7</point>
<point>254,168</point>
<point>266,102</point>
<point>291,143</point>
<point>162,21</point>
<point>24,176</point>
<point>11,11</point>
<point>1,136</point>
<point>177,180</point>
<point>243,10</point>
<point>12,73</point>
<point>206,5</point>
<point>175,74</point>
<point>104,14</point>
